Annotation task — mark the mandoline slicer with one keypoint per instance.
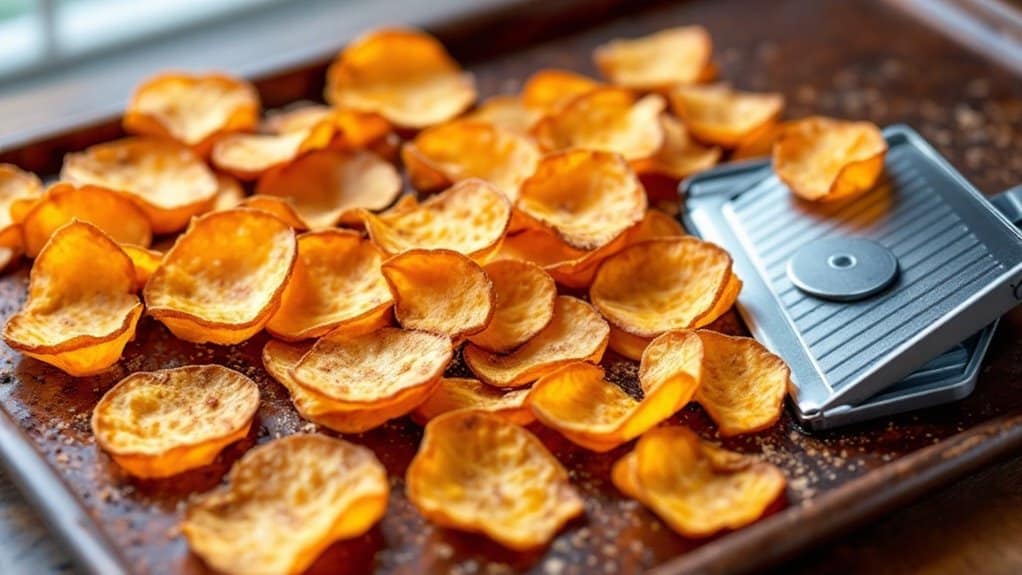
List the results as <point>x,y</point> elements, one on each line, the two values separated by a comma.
<point>881,304</point>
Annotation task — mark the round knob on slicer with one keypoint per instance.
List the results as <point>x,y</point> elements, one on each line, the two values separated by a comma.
<point>843,269</point>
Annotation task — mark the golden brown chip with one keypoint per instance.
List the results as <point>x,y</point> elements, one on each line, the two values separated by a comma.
<point>825,159</point>
<point>248,156</point>
<point>145,261</point>
<point>568,266</point>
<point>81,309</point>
<point>673,355</point>
<point>524,297</point>
<point>19,191</point>
<point>680,156</point>
<point>626,344</point>
<point>549,91</point>
<point>404,75</point>
<point>478,472</point>
<point>223,278</point>
<point>281,206</point>
<point>296,118</point>
<point>161,423</point>
<point>302,493</point>
<point>575,333</point>
<point>722,116</point>
<point>507,113</point>
<point>459,394</point>
<point>164,178</point>
<point>229,193</point>
<point>760,143</point>
<point>655,224</point>
<point>666,58</point>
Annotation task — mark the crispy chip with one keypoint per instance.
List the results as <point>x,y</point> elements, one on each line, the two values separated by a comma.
<point>722,116</point>
<point>667,58</point>
<point>223,278</point>
<point>575,333</point>
<point>248,156</point>
<point>192,109</point>
<point>568,266</point>
<point>161,423</point>
<point>626,344</point>
<point>281,206</point>
<point>353,130</point>
<point>524,297</point>
<point>404,75</point>
<point>478,472</point>
<point>674,354</point>
<point>662,284</point>
<point>743,384</point>
<point>507,113</point>
<point>760,143</point>
<point>164,178</point>
<point>452,152</point>
<point>826,159</point>
<point>81,309</point>
<point>549,91</point>
<point>698,489</point>
<point>19,191</point>
<point>457,394</point>
<point>680,156</point>
<point>655,224</point>
<point>296,118</point>
<point>336,281</point>
<point>145,261</point>
<point>287,501</point>
<point>587,198</point>
<point>228,193</point>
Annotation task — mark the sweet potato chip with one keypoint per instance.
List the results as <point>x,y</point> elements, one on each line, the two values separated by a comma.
<point>248,156</point>
<point>452,152</point>
<point>336,281</point>
<point>457,394</point>
<point>743,384</point>
<point>673,355</point>
<point>228,194</point>
<point>19,191</point>
<point>302,493</point>
<point>164,178</point>
<point>524,297</point>
<point>587,198</point>
<point>568,266</point>
<point>666,58</point>
<point>825,159</point>
<point>404,75</point>
<point>281,206</point>
<point>81,309</point>
<point>145,261</point>
<point>507,113</point>
<point>680,156</point>
<point>655,224</point>
<point>478,472</point>
<point>549,91</point>
<point>760,143</point>
<point>722,116</point>
<point>575,333</point>
<point>626,344</point>
<point>161,423</point>
<point>353,130</point>
<point>223,278</point>
<point>296,118</point>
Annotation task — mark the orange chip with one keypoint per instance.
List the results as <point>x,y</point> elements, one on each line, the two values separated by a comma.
<point>404,75</point>
<point>223,278</point>
<point>452,152</point>
<point>336,281</point>
<point>570,267</point>
<point>329,186</point>
<point>145,261</point>
<point>760,143</point>
<point>161,423</point>
<point>296,118</point>
<point>81,309</point>
<point>605,119</point>
<point>695,487</point>
<point>524,297</point>
<point>826,159</point>
<point>672,355</point>
<point>507,113</point>
<point>229,193</point>
<point>164,178</point>
<point>111,212</point>
<point>626,344</point>
<point>458,394</point>
<point>743,384</point>
<point>722,116</point>
<point>281,206</point>
<point>192,109</point>
<point>549,91</point>
<point>480,473</point>
<point>587,198</point>
<point>470,218</point>
<point>575,333</point>
<point>655,224</point>
<point>680,156</point>
<point>659,61</point>
<point>19,191</point>
<point>302,493</point>
<point>248,156</point>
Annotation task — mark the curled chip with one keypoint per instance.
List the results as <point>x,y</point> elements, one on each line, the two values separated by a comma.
<point>406,76</point>
<point>656,62</point>
<point>507,113</point>
<point>471,394</point>
<point>145,261</point>
<point>81,309</point>
<point>229,193</point>
<point>655,224</point>
<point>109,211</point>
<point>452,152</point>
<point>192,109</point>
<point>330,186</point>
<point>549,91</point>
<point>743,384</point>
<point>161,423</point>
<point>680,156</point>
<point>164,178</point>
<point>662,284</point>
<point>826,159</point>
<point>698,489</point>
<point>302,492</point>
<point>439,291</point>
<point>760,143</point>
<point>569,266</point>
<point>223,278</point>
<point>478,472</point>
<point>281,206</point>
<point>336,282</point>
<point>19,190</point>
<point>524,297</point>
<point>470,218</point>
<point>606,119</point>
<point>248,156</point>
<point>673,355</point>
<point>722,116</point>
<point>587,198</point>
<point>575,333</point>
<point>626,344</point>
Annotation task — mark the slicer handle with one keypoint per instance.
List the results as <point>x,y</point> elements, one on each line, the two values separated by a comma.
<point>1009,203</point>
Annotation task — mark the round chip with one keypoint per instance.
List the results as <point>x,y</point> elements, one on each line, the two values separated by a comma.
<point>506,113</point>
<point>161,423</point>
<point>248,156</point>
<point>281,206</point>
<point>164,178</point>
<point>722,116</point>
<point>680,156</point>
<point>330,186</point>
<point>336,281</point>
<point>229,193</point>
<point>223,278</point>
<point>568,266</point>
<point>81,309</point>
<point>439,291</point>
<point>549,91</point>
<point>524,297</point>
<point>760,143</point>
<point>460,394</point>
<point>626,344</point>
<point>145,261</point>
<point>673,355</point>
<point>655,224</point>
<point>478,472</point>
<point>297,118</point>
<point>825,159</point>
<point>404,75</point>
<point>575,333</point>
<point>19,190</point>
<point>302,493</point>
<point>659,61</point>
<point>743,384</point>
